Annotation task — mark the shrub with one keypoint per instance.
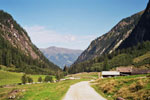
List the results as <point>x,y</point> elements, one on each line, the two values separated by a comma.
<point>59,75</point>
<point>24,79</point>
<point>40,79</point>
<point>30,80</point>
<point>48,79</point>
<point>136,86</point>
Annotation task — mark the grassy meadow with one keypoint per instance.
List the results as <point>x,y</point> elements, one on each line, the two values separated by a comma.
<point>136,87</point>
<point>42,91</point>
<point>8,78</point>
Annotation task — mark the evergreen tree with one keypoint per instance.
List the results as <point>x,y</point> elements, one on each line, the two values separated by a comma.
<point>40,79</point>
<point>24,79</point>
<point>105,64</point>
<point>30,80</point>
<point>65,70</point>
<point>1,57</point>
<point>48,79</point>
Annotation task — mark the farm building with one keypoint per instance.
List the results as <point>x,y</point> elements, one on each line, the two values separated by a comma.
<point>110,73</point>
<point>131,71</point>
<point>125,70</point>
<point>140,71</point>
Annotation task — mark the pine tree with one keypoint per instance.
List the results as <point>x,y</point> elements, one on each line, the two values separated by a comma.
<point>105,65</point>
<point>24,79</point>
<point>48,79</point>
<point>1,57</point>
<point>40,79</point>
<point>30,80</point>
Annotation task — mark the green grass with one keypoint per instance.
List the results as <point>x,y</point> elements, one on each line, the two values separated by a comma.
<point>136,87</point>
<point>7,78</point>
<point>44,91</point>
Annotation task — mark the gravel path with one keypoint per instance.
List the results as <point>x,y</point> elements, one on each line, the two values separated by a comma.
<point>82,91</point>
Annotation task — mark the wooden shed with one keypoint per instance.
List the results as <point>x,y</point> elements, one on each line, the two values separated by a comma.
<point>125,70</point>
<point>131,71</point>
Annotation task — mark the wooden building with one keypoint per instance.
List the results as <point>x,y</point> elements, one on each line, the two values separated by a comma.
<point>131,71</point>
<point>125,70</point>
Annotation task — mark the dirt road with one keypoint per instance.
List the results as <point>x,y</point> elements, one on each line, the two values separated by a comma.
<point>82,91</point>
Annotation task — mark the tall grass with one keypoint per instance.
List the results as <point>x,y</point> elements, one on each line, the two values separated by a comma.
<point>136,87</point>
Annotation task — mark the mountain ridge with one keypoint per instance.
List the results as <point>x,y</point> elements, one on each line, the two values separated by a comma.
<point>141,32</point>
<point>134,46</point>
<point>61,56</point>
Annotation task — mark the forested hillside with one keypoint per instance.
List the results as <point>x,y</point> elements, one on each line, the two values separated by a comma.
<point>18,52</point>
<point>136,56</point>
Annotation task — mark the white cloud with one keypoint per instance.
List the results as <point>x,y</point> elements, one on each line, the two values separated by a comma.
<point>43,37</point>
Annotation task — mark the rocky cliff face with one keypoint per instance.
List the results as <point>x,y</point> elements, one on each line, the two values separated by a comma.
<point>141,32</point>
<point>61,56</point>
<point>17,36</point>
<point>110,41</point>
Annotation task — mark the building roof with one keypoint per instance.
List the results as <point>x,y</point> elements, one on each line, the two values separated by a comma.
<point>110,73</point>
<point>141,71</point>
<point>132,70</point>
<point>124,69</point>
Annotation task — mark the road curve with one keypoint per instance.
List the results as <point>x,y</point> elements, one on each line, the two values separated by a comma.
<point>82,91</point>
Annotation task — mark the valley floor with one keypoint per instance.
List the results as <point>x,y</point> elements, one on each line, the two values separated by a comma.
<point>41,91</point>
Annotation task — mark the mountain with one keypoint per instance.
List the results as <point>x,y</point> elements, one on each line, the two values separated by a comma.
<point>127,45</point>
<point>110,41</point>
<point>141,32</point>
<point>18,52</point>
<point>61,56</point>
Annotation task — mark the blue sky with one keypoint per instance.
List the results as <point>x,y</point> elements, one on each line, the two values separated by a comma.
<point>69,23</point>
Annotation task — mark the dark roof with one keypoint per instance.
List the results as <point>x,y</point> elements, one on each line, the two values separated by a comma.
<point>132,70</point>
<point>141,71</point>
<point>124,69</point>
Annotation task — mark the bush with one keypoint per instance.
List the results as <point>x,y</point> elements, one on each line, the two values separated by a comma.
<point>136,86</point>
<point>30,80</point>
<point>40,79</point>
<point>59,75</point>
<point>24,79</point>
<point>48,79</point>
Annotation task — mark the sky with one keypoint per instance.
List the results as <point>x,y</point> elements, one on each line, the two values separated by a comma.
<point>69,23</point>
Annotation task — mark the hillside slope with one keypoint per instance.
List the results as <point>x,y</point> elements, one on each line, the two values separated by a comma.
<point>110,41</point>
<point>134,87</point>
<point>17,50</point>
<point>131,51</point>
<point>61,56</point>
<point>141,32</point>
